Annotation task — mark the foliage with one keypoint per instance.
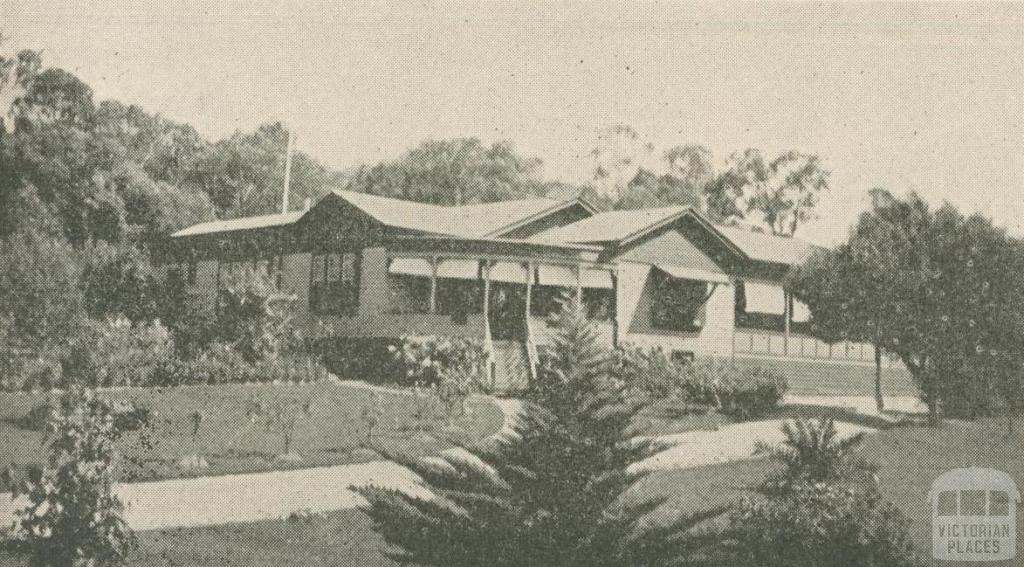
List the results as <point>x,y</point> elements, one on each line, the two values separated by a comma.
<point>118,281</point>
<point>427,360</point>
<point>73,517</point>
<point>243,174</point>
<point>453,172</point>
<point>819,525</point>
<point>116,353</point>
<point>547,496</point>
<point>255,318</point>
<point>651,372</point>
<point>783,190</point>
<point>813,453</point>
<point>40,298</point>
<point>940,290</point>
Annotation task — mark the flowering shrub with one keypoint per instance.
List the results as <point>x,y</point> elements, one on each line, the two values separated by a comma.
<point>425,360</point>
<point>73,517</point>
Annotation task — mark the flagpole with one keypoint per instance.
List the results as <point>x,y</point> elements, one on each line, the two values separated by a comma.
<point>287,172</point>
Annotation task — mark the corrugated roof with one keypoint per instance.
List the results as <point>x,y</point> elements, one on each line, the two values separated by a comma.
<point>612,226</point>
<point>245,223</point>
<point>469,221</point>
<point>765,247</point>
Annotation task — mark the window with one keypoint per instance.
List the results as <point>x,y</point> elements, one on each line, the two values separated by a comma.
<point>334,284</point>
<point>677,304</point>
<point>599,303</point>
<point>193,269</point>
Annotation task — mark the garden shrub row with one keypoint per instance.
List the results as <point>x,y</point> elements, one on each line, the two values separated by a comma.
<point>741,392</point>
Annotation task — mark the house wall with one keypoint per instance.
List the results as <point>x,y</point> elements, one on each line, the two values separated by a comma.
<point>634,315</point>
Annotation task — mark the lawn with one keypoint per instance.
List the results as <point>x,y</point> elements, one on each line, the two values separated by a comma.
<point>336,539</point>
<point>333,431</point>
<point>910,457</point>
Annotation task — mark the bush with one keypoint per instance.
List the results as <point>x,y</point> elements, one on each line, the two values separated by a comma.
<point>819,525</point>
<point>255,318</point>
<point>73,517</point>
<point>116,353</point>
<point>651,372</point>
<point>740,392</point>
<point>425,360</point>
<point>364,358</point>
<point>812,453</point>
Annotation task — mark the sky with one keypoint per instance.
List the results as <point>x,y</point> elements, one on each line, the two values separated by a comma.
<point>902,96</point>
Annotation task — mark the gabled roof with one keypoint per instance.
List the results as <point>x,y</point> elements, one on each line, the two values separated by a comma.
<point>612,226</point>
<point>764,247</point>
<point>466,221</point>
<point>245,223</point>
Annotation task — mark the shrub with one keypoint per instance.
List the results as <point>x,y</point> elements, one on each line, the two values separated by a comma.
<point>255,318</point>
<point>651,372</point>
<point>819,525</point>
<point>812,453</point>
<point>116,353</point>
<point>741,392</point>
<point>425,360</point>
<point>371,359</point>
<point>73,517</point>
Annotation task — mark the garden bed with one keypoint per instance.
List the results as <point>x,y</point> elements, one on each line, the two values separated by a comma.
<point>231,439</point>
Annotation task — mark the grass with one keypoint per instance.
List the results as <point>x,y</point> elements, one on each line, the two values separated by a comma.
<point>333,432</point>
<point>337,539</point>
<point>910,457</point>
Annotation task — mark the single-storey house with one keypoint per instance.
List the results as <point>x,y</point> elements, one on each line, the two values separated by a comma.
<point>369,266</point>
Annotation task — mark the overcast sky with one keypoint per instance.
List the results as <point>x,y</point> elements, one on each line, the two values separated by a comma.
<point>906,97</point>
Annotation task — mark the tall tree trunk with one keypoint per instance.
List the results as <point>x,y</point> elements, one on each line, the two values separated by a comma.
<point>879,402</point>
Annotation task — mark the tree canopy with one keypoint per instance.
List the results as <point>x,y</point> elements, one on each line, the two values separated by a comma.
<point>937,288</point>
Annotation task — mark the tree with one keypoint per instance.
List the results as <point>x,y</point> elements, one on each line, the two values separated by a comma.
<point>16,76</point>
<point>844,290</point>
<point>550,495</point>
<point>783,190</point>
<point>244,174</point>
<point>454,172</point>
<point>618,155</point>
<point>932,287</point>
<point>647,189</point>
<point>40,295</point>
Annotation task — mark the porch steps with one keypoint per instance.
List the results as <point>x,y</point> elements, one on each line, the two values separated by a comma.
<point>511,366</point>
